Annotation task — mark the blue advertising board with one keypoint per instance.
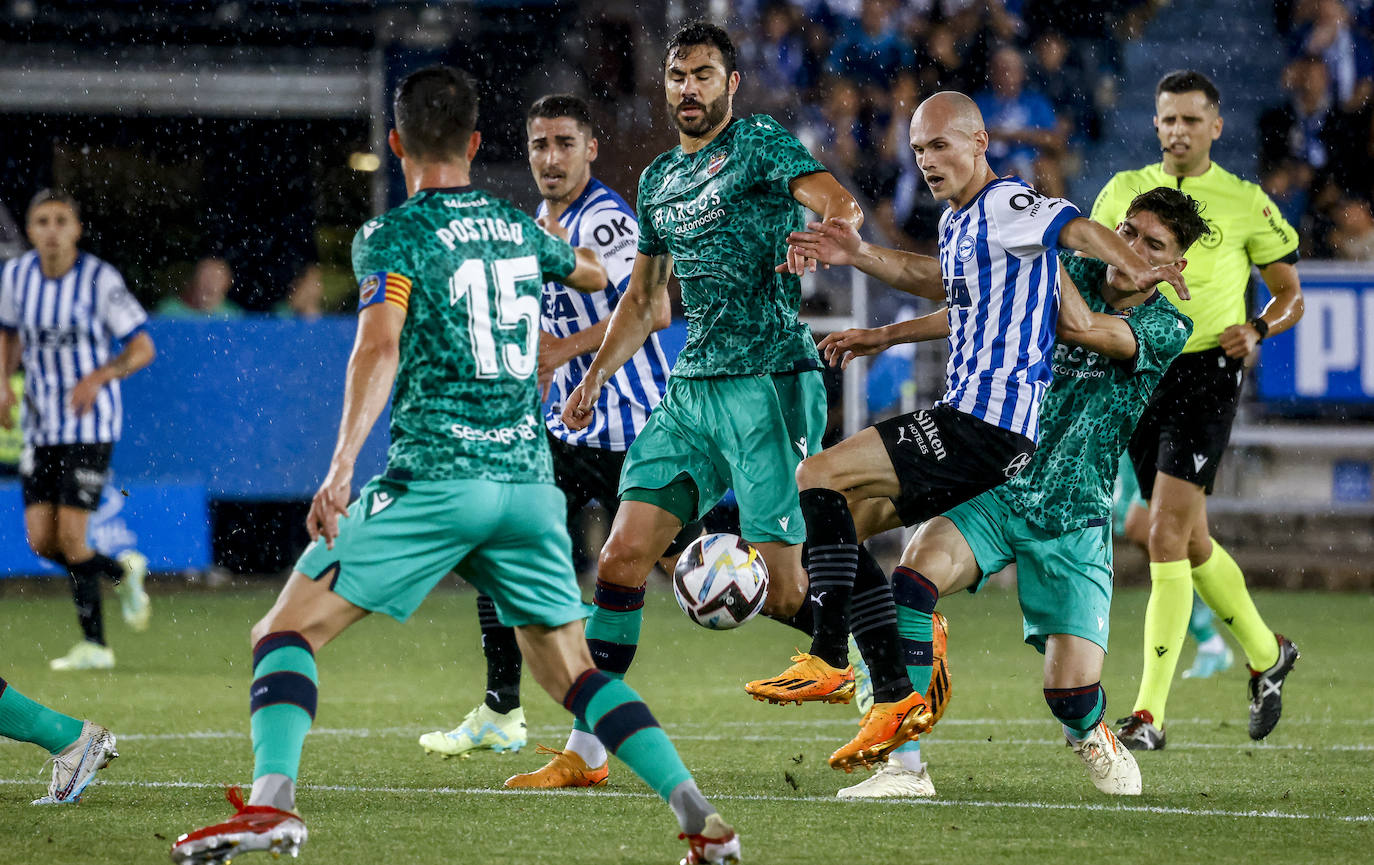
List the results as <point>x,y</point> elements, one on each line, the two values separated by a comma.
<point>168,523</point>
<point>1328,357</point>
<point>247,408</point>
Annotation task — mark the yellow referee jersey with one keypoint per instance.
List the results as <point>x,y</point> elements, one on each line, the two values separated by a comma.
<point>1247,229</point>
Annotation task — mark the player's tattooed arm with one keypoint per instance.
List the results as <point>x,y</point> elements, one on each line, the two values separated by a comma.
<point>367,387</point>
<point>841,347</point>
<point>835,242</point>
<point>636,316</point>
<point>823,194</point>
<point>1102,243</point>
<point>1107,335</point>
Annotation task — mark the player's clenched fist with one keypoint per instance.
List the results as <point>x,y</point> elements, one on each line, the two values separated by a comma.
<point>577,413</point>
<point>330,503</point>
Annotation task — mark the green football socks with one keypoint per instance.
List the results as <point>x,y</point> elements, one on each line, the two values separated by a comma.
<point>282,701</point>
<point>27,721</point>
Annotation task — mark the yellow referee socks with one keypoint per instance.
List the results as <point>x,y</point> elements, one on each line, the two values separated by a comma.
<point>1222,586</point>
<point>1166,624</point>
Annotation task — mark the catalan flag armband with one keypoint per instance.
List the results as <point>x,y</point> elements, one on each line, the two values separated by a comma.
<point>384,287</point>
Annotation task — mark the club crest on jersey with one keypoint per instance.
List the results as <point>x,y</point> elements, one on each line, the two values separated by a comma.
<point>965,248</point>
<point>367,289</point>
<point>717,161</point>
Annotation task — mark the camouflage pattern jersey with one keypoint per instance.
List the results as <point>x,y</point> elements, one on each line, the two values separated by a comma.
<point>468,268</point>
<point>1091,409</point>
<point>724,214</point>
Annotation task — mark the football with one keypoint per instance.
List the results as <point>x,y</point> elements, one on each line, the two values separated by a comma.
<point>720,581</point>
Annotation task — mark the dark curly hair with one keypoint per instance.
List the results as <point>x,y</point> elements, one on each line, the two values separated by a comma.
<point>1180,213</point>
<point>703,33</point>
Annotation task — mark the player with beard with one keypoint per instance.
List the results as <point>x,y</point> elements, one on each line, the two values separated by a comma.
<point>746,402</point>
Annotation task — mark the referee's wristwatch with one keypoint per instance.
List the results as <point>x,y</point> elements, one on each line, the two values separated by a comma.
<point>1260,325</point>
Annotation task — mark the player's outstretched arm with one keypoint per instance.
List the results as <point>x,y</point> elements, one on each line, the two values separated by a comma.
<point>643,305</point>
<point>137,353</point>
<point>823,194</point>
<point>1107,335</point>
<point>840,347</point>
<point>1280,313</point>
<point>836,242</point>
<point>367,386</point>
<point>1102,243</point>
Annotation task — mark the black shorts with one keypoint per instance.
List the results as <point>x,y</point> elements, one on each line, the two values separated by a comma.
<point>69,475</point>
<point>1186,426</point>
<point>585,474</point>
<point>944,457</point>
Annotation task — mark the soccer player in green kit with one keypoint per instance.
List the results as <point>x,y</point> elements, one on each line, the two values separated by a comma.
<point>449,288</point>
<point>745,401</point>
<point>1054,518</point>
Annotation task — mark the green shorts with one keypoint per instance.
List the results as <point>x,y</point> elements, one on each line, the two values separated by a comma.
<point>400,539</point>
<point>748,432</point>
<point>1064,582</point>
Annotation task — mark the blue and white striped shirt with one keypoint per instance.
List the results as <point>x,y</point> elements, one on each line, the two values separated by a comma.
<point>68,327</point>
<point>601,220</point>
<point>1001,276</point>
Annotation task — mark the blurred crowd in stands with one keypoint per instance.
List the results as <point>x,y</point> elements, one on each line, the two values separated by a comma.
<point>1317,145</point>
<point>1042,71</point>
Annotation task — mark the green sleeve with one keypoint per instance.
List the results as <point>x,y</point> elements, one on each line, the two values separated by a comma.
<point>778,157</point>
<point>650,241</point>
<point>376,248</point>
<point>1160,334</point>
<point>1110,207</point>
<point>1271,238</point>
<point>1087,274</point>
<point>556,256</point>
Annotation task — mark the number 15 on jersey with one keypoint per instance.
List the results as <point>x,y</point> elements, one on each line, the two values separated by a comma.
<point>471,284</point>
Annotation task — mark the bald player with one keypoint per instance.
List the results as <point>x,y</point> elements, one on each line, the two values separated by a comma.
<point>998,275</point>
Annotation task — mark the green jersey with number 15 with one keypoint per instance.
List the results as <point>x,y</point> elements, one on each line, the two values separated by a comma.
<point>468,269</point>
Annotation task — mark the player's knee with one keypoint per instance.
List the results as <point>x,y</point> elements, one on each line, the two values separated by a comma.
<point>626,561</point>
<point>70,548</point>
<point>1168,539</point>
<point>44,546</point>
<point>813,473</point>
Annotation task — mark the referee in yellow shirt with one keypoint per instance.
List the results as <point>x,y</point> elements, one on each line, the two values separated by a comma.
<point>1178,444</point>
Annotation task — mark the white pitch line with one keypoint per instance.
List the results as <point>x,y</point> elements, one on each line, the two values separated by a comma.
<point>676,732</point>
<point>946,803</point>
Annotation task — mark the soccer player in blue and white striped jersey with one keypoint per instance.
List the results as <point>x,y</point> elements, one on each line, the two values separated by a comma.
<point>562,145</point>
<point>998,274</point>
<point>67,312</point>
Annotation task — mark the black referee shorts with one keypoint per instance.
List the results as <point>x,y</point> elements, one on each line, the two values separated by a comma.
<point>67,475</point>
<point>1186,426</point>
<point>944,457</point>
<point>585,474</point>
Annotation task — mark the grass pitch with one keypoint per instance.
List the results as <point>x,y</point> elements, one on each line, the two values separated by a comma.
<point>1009,791</point>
